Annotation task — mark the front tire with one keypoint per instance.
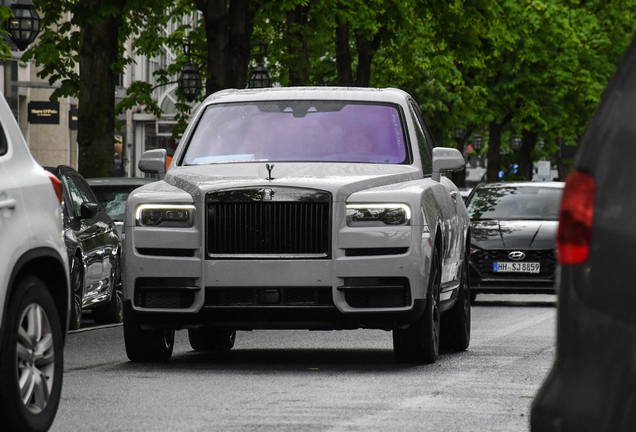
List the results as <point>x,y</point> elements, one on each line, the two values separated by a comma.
<point>153,345</point>
<point>31,359</point>
<point>457,321</point>
<point>77,293</point>
<point>113,312</point>
<point>419,343</point>
<point>211,339</point>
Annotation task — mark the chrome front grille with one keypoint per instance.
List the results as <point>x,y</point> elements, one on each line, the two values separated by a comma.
<point>268,223</point>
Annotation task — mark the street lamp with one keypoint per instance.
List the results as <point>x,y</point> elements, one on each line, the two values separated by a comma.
<point>24,26</point>
<point>260,77</point>
<point>189,82</point>
<point>477,142</point>
<point>540,144</point>
<point>515,142</point>
<point>459,134</point>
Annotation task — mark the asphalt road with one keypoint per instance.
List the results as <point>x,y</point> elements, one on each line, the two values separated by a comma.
<point>316,381</point>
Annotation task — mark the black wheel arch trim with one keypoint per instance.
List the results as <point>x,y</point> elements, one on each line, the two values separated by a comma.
<point>53,273</point>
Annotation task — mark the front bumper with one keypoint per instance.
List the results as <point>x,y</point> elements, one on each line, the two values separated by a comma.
<point>274,317</point>
<point>382,288</point>
<point>484,280</point>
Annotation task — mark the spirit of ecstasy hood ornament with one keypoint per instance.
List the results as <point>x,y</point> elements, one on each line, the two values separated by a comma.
<point>269,170</point>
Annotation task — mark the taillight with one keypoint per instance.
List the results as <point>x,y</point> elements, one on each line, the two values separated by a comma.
<point>57,186</point>
<point>574,236</point>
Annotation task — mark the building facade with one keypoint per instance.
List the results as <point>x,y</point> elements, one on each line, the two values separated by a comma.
<point>50,129</point>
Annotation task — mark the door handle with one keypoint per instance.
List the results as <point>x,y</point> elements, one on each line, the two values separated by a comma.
<point>7,204</point>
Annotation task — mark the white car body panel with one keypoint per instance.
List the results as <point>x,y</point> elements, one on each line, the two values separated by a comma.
<point>30,215</point>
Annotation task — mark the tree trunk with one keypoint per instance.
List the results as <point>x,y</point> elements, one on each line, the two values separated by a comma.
<point>528,141</point>
<point>229,36</point>
<point>216,18</point>
<point>494,145</point>
<point>366,50</point>
<point>459,177</point>
<point>343,53</point>
<point>98,49</point>
<point>241,28</point>
<point>297,48</point>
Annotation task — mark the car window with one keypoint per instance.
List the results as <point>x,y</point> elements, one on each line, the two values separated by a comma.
<point>423,144</point>
<point>76,195</point>
<point>3,142</point>
<point>322,131</point>
<point>514,203</point>
<point>85,190</point>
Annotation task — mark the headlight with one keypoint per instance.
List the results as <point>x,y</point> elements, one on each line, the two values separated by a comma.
<point>367,215</point>
<point>181,216</point>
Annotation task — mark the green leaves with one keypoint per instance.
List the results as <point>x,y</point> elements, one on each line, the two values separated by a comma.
<point>543,64</point>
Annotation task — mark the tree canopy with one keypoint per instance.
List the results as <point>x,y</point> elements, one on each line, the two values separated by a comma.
<point>497,67</point>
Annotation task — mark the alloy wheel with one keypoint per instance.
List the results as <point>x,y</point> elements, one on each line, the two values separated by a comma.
<point>35,358</point>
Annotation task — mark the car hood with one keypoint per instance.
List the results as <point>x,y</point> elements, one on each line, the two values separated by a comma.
<point>520,234</point>
<point>341,179</point>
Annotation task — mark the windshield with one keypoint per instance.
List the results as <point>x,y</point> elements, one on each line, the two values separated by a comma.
<point>514,203</point>
<point>325,131</point>
<point>113,199</point>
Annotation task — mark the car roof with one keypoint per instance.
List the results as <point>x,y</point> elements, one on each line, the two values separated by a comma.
<point>119,181</point>
<point>61,170</point>
<point>362,94</point>
<point>550,184</point>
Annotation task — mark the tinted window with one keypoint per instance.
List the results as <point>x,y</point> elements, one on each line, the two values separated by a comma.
<point>329,131</point>
<point>423,144</point>
<point>511,202</point>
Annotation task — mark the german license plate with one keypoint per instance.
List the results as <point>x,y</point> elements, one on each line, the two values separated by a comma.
<point>516,267</point>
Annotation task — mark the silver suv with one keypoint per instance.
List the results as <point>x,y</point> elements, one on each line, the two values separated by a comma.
<point>34,286</point>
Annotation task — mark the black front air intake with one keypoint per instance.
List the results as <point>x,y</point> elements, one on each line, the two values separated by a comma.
<point>269,223</point>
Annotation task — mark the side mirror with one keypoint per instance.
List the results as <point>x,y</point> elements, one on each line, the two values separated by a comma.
<point>88,210</point>
<point>154,162</point>
<point>446,159</point>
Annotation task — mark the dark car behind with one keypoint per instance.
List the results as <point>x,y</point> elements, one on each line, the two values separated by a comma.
<point>514,226</point>
<point>592,384</point>
<point>94,251</point>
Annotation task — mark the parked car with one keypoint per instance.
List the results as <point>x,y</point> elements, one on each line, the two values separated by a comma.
<point>299,208</point>
<point>93,249</point>
<point>112,193</point>
<point>514,226</point>
<point>34,285</point>
<point>591,384</point>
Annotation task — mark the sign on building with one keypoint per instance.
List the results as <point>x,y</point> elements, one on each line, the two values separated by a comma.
<point>72,118</point>
<point>44,112</point>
